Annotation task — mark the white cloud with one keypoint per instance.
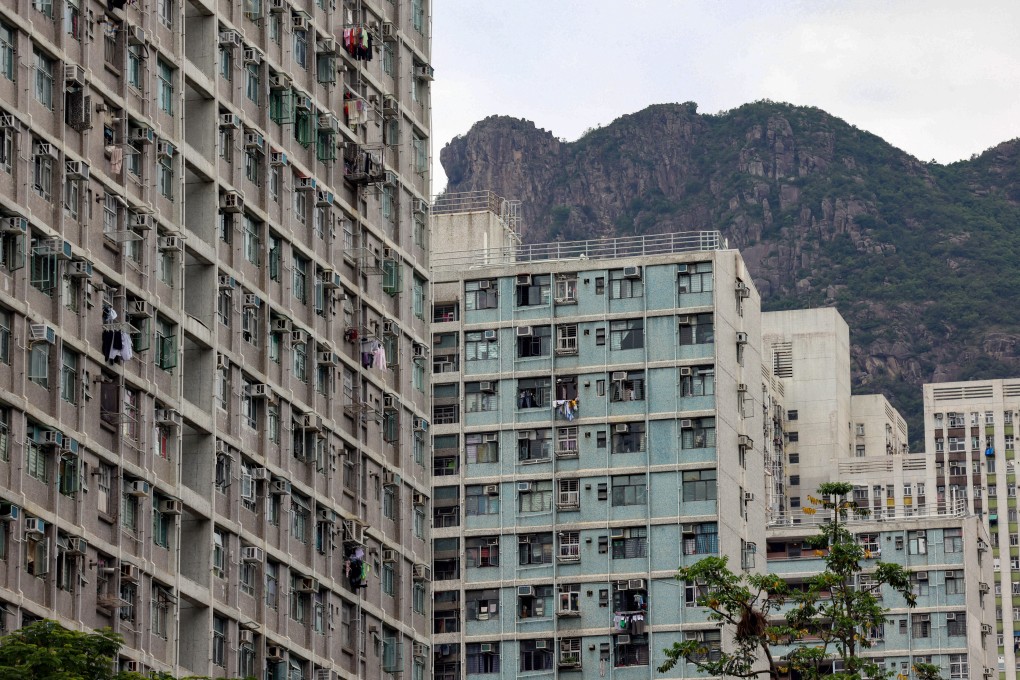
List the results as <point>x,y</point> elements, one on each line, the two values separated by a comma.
<point>936,79</point>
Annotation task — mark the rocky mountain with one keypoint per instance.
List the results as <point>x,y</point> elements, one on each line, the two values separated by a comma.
<point>920,258</point>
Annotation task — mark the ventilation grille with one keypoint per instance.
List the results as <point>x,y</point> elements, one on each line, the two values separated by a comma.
<point>782,359</point>
<point>983,391</point>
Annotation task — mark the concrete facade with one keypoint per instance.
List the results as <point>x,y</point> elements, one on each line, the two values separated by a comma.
<point>593,419</point>
<point>237,195</point>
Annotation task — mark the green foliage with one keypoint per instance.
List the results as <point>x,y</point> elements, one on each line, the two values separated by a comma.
<point>45,649</point>
<point>828,619</point>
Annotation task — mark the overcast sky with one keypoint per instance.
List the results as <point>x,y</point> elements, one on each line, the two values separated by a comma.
<point>937,78</point>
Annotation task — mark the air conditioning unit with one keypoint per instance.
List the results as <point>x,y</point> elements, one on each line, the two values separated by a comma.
<point>254,140</point>
<point>390,105</point>
<point>169,243</point>
<point>143,134</point>
<point>277,158</point>
<point>302,102</point>
<point>523,331</point>
<point>745,442</point>
<point>748,497</point>
<point>230,39</point>
<point>921,576</point>
<point>323,198</point>
<point>165,149</point>
<point>304,184</point>
<point>491,489</point>
<point>280,487</point>
<point>420,425</point>
<point>246,637</point>
<point>490,335</point>
<point>136,35</point>
<point>523,487</point>
<point>741,338</point>
<point>231,201</point>
<point>77,170</point>
<point>425,72</point>
<point>484,285</point>
<point>684,320</point>
<point>128,572</point>
<point>525,591</point>
<point>686,424</point>
<point>299,21</point>
<point>275,653</point>
<point>388,30</point>
<point>139,488</point>
<point>487,648</point>
<point>170,506</point>
<point>77,546</point>
<point>329,358</point>
<point>623,639</point>
<point>167,416</point>
<point>422,572</point>
<point>252,56</point>
<point>541,644</point>
<point>8,121</point>
<point>44,149</point>
<point>487,386</point>
<point>141,221</point>
<point>139,309</point>
<point>252,553</point>
<point>35,526</point>
<point>419,649</point>
<point>685,371</point>
<point>251,301</point>
<point>298,336</point>
<point>329,277</point>
<point>9,512</point>
<point>622,428</point>
<point>619,375</point>
<point>260,473</point>
<point>226,282</point>
<point>390,478</point>
<point>280,324</point>
<point>421,207</point>
<point>419,350</point>
<point>14,225</point>
<point>632,272</point>
<point>74,74</point>
<point>419,499</point>
<point>986,629</point>
<point>51,438</point>
<point>259,391</point>
<point>742,290</point>
<point>230,120</point>
<point>326,46</point>
<point>40,332</point>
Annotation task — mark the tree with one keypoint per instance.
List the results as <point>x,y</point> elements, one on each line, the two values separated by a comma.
<point>837,610</point>
<point>45,649</point>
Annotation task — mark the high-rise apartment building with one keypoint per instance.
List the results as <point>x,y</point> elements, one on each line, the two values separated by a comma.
<point>214,269</point>
<point>970,438</point>
<point>595,423</point>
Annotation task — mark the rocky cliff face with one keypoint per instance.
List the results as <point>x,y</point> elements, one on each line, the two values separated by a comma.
<point>918,257</point>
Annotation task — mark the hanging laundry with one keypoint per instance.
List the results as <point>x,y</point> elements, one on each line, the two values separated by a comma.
<point>358,42</point>
<point>527,399</point>
<point>116,343</point>
<point>379,353</point>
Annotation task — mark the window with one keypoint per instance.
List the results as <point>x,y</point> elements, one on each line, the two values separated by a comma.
<point>481,657</point>
<point>300,517</point>
<point>6,138</point>
<point>533,445</point>
<point>699,485</point>
<point>219,645</point>
<point>631,388</point>
<point>166,344</point>
<point>300,277</point>
<point>953,539</point>
<point>165,73</point>
<point>161,603</point>
<point>482,448</point>
<point>219,553</point>
<point>954,582</point>
<point>538,497</point>
<point>481,500</point>
<point>420,150</point>
<point>621,286</point>
<point>917,542</point>
<point>161,525</point>
<point>627,334</point>
<point>630,490</point>
<point>418,297</point>
<point>958,666</point>
<point>695,278</point>
<point>697,329</point>
<point>39,364</point>
<point>700,434</point>
<point>69,375</point>
<point>534,341</point>
<point>482,551</point>
<point>7,38</point>
<point>481,396</point>
<point>134,69</point>
<point>628,543</point>
<point>251,82</point>
<point>534,393</point>
<point>701,539</point>
<point>37,555</point>
<point>533,290</point>
<point>629,438</point>
<point>481,294</point>
<point>535,549</point>
<point>165,176</point>
<point>42,171</point>
<point>478,347</point>
<point>44,66</point>
<point>36,462</point>
<point>566,442</point>
<point>301,48</point>
<point>956,623</point>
